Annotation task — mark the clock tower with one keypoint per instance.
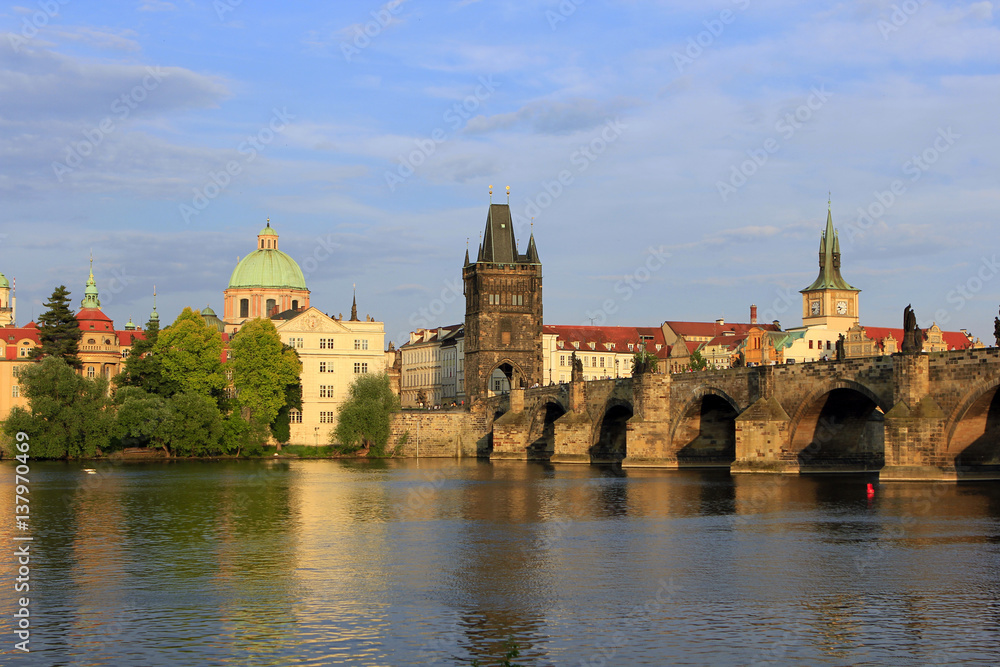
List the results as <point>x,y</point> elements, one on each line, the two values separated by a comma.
<point>829,300</point>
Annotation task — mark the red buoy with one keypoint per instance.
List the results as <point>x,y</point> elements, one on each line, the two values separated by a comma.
<point>871,490</point>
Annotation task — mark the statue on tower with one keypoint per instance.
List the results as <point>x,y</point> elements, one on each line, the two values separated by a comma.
<point>912,336</point>
<point>996,330</point>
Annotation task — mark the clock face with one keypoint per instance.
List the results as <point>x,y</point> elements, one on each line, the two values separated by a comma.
<point>814,307</point>
<point>841,307</point>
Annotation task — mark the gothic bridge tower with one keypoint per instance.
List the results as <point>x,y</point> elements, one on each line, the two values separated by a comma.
<point>503,311</point>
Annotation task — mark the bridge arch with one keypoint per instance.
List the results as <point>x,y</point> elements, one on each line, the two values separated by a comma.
<point>513,374</point>
<point>704,431</point>
<point>839,426</point>
<point>542,431</point>
<point>609,437</point>
<point>973,428</point>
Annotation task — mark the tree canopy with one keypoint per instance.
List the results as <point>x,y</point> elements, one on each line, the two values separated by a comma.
<point>143,368</point>
<point>363,419</point>
<point>58,330</point>
<point>262,370</point>
<point>68,415</point>
<point>190,352</point>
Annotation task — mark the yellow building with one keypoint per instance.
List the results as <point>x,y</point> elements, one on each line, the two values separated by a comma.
<point>333,352</point>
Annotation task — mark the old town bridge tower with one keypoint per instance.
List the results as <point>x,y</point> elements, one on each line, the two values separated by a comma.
<point>503,311</point>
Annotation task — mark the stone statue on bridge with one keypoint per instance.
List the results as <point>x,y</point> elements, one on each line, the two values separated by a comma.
<point>996,330</point>
<point>913,337</point>
<point>577,365</point>
<point>841,352</point>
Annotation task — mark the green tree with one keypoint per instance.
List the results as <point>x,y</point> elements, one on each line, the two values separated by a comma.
<point>143,368</point>
<point>644,361</point>
<point>190,354</point>
<point>281,427</point>
<point>139,418</point>
<point>262,370</point>
<point>363,419</point>
<point>58,330</point>
<point>698,362</point>
<point>193,426</point>
<point>242,437</point>
<point>67,416</point>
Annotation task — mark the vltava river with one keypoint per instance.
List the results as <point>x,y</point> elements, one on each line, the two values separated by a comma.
<point>440,562</point>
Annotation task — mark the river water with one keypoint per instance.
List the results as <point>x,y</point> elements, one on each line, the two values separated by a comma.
<point>442,562</point>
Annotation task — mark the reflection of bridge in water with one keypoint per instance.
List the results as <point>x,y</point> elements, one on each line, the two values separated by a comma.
<point>931,416</point>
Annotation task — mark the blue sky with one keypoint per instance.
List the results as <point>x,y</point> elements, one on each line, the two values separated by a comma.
<point>676,156</point>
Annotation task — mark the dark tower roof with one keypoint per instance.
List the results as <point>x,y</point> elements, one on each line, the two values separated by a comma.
<point>499,245</point>
<point>829,261</point>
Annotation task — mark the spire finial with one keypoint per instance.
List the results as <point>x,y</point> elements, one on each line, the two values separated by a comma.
<point>269,221</point>
<point>532,224</point>
<point>508,195</point>
<point>829,198</point>
<point>491,194</point>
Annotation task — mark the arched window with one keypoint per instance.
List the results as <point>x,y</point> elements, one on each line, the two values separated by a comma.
<point>270,307</point>
<point>244,307</point>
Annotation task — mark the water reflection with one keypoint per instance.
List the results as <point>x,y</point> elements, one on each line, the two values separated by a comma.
<point>405,562</point>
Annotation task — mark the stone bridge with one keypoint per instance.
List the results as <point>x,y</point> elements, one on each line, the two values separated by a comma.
<point>930,416</point>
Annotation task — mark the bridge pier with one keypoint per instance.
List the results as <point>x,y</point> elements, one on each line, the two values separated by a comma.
<point>573,430</point>
<point>915,427</point>
<point>510,431</point>
<point>647,443</point>
<point>763,440</point>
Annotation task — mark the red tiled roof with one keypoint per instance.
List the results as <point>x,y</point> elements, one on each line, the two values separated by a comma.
<point>713,329</point>
<point>600,335</point>
<point>730,342</point>
<point>955,340</point>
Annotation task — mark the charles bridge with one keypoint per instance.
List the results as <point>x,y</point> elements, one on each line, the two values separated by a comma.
<point>925,416</point>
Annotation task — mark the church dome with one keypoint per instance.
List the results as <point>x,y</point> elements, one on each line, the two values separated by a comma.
<point>3,281</point>
<point>267,266</point>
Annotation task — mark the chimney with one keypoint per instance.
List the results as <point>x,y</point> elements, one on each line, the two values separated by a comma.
<point>753,313</point>
<point>720,322</point>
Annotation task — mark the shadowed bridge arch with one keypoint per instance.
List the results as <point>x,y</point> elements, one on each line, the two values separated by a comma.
<point>704,433</point>
<point>839,427</point>
<point>974,434</point>
<point>610,431</point>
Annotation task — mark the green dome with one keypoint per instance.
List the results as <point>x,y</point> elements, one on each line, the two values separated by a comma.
<point>207,311</point>
<point>267,231</point>
<point>267,268</point>
<point>3,281</point>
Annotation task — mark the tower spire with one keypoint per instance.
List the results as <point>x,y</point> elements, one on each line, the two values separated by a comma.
<point>91,298</point>
<point>354,305</point>
<point>154,316</point>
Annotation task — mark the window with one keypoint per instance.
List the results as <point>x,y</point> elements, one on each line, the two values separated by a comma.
<point>244,307</point>
<point>631,347</point>
<point>15,391</point>
<point>322,367</point>
<point>90,371</point>
<point>326,417</point>
<point>810,344</point>
<point>126,352</point>
<point>295,304</point>
<point>229,355</point>
<point>828,345</point>
<point>25,351</point>
<point>360,367</point>
<point>295,416</point>
<point>271,305</point>
<point>326,343</point>
<point>326,391</point>
<point>562,359</point>
<point>295,342</point>
<point>360,344</point>
<point>602,362</point>
<point>593,362</point>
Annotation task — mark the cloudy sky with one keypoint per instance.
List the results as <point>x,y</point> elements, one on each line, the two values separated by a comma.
<point>676,156</point>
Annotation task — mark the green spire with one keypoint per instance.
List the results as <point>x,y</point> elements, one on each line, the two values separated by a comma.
<point>154,316</point>
<point>90,296</point>
<point>829,260</point>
